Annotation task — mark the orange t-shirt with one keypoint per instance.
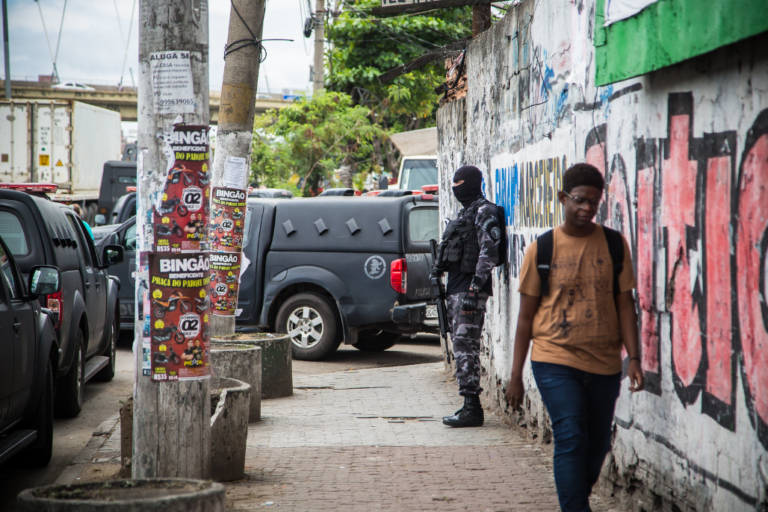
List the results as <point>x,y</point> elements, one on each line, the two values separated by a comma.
<point>577,324</point>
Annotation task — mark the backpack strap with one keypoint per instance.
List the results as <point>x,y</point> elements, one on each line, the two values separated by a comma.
<point>544,245</point>
<point>616,248</point>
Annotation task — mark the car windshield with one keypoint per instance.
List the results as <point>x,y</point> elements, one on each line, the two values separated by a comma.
<point>13,233</point>
<point>424,224</point>
<point>417,173</point>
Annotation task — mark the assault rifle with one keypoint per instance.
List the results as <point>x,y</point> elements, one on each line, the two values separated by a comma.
<point>438,295</point>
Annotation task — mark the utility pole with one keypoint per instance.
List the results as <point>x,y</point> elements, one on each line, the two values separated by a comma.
<point>231,166</point>
<point>319,71</point>
<point>7,51</point>
<point>171,419</point>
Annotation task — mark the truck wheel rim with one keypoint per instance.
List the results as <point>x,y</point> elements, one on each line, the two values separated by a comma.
<point>305,327</point>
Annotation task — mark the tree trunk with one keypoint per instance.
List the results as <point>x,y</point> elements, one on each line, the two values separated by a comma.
<point>238,109</point>
<point>171,421</point>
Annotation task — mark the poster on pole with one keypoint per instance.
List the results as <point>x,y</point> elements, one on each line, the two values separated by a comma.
<point>225,282</point>
<point>225,228</point>
<point>179,315</point>
<point>180,217</point>
<point>172,86</point>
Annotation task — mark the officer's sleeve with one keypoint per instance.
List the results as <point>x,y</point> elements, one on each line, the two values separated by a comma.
<point>488,236</point>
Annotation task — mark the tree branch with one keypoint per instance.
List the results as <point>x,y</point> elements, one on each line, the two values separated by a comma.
<point>448,50</point>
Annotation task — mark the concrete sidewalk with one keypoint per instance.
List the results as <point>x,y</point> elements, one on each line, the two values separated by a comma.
<point>373,440</point>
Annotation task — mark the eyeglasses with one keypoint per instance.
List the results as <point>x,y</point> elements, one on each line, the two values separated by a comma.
<point>581,202</point>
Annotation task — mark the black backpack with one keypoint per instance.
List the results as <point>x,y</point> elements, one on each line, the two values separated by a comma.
<point>545,245</point>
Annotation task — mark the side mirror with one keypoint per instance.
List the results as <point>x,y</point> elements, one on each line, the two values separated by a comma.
<point>100,219</point>
<point>112,255</point>
<point>44,280</point>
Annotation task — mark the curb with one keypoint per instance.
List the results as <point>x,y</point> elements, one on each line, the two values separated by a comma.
<point>97,440</point>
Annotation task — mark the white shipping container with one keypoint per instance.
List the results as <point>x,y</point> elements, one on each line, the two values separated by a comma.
<point>61,142</point>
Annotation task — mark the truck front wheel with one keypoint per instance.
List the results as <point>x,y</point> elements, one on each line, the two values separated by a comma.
<point>310,321</point>
<point>372,340</point>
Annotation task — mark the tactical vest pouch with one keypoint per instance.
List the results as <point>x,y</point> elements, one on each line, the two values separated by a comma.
<point>453,250</point>
<point>471,255</point>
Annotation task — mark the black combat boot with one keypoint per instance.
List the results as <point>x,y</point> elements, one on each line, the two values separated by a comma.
<point>471,415</point>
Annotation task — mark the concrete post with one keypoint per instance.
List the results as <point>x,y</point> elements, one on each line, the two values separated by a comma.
<point>318,80</point>
<point>234,137</point>
<point>171,421</point>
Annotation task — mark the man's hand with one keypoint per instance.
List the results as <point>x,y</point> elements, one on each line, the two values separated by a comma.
<point>515,392</point>
<point>636,377</point>
<point>434,273</point>
<point>469,307</point>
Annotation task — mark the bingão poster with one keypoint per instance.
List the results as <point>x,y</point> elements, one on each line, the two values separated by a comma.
<point>179,314</point>
<point>179,218</point>
<point>227,219</point>
<point>225,282</point>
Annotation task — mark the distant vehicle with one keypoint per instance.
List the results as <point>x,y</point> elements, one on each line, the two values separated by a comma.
<point>272,193</point>
<point>73,86</point>
<point>61,142</point>
<point>416,172</point>
<point>118,176</point>
<point>332,269</point>
<point>28,361</point>
<point>86,310</point>
<point>418,166</point>
<point>123,235</point>
<point>337,192</point>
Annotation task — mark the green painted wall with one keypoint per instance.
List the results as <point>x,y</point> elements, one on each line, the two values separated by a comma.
<point>671,31</point>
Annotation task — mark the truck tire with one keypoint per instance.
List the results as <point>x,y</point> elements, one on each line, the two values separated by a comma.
<point>39,454</point>
<point>310,319</point>
<point>372,340</point>
<point>69,392</point>
<point>107,373</point>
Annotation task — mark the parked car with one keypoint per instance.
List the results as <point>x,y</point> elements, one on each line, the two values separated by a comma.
<point>346,192</point>
<point>274,193</point>
<point>123,235</point>
<point>86,310</point>
<point>28,361</point>
<point>331,269</point>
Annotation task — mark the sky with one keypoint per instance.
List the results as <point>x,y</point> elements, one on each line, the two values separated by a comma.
<point>92,48</point>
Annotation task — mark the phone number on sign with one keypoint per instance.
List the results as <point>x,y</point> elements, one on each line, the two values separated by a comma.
<point>176,101</point>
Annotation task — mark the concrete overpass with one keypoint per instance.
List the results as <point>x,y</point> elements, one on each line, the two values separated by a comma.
<point>123,101</point>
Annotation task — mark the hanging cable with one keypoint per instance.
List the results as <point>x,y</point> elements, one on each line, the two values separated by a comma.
<point>127,41</point>
<point>45,29</point>
<point>254,41</point>
<point>58,43</point>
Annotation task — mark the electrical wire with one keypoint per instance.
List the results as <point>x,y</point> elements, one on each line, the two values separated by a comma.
<point>45,29</point>
<point>244,43</point>
<point>58,43</point>
<point>126,42</point>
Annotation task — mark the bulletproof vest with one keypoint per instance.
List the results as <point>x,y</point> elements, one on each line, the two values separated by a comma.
<point>459,243</point>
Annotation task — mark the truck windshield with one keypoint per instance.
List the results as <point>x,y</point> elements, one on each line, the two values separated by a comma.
<point>424,224</point>
<point>417,173</point>
<point>13,234</point>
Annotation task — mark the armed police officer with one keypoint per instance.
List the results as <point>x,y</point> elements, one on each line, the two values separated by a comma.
<point>468,253</point>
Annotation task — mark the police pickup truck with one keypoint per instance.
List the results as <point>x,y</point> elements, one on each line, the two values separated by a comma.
<point>333,269</point>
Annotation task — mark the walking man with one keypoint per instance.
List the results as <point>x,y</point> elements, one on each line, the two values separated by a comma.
<point>468,252</point>
<point>576,304</point>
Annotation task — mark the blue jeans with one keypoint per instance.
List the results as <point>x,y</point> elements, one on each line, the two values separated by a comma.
<point>580,405</point>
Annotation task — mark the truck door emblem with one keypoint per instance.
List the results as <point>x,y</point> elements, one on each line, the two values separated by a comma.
<point>375,267</point>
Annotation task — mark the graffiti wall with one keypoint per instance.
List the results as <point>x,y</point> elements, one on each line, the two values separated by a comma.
<point>684,152</point>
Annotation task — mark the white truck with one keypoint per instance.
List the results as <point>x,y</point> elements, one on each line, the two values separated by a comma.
<point>61,142</point>
<point>418,166</point>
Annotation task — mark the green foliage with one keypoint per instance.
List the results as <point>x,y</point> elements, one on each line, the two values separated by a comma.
<point>304,143</point>
<point>363,49</point>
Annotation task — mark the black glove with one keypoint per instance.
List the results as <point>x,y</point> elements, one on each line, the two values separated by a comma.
<point>434,272</point>
<point>469,307</point>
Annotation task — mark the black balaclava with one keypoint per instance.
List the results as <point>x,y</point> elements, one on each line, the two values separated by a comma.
<point>472,188</point>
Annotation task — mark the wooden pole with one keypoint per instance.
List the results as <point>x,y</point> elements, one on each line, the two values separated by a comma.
<point>234,137</point>
<point>171,420</point>
<point>6,51</point>
<point>318,80</point>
